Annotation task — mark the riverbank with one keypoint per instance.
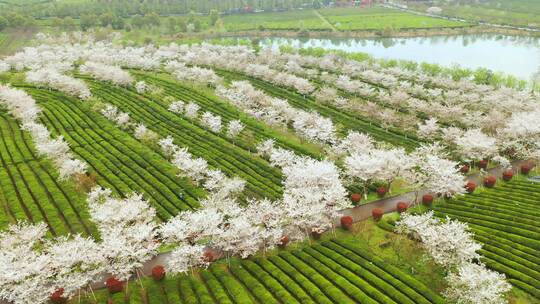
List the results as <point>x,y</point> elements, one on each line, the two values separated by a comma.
<point>389,33</point>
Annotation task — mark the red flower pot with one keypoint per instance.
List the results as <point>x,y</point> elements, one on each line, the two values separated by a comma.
<point>356,198</point>
<point>470,187</point>
<point>508,174</point>
<point>209,255</point>
<point>525,169</point>
<point>381,191</point>
<point>284,241</point>
<point>427,199</point>
<point>483,164</point>
<point>402,207</point>
<point>158,273</point>
<point>377,213</point>
<point>465,169</point>
<point>346,222</point>
<point>57,297</point>
<point>114,285</point>
<point>490,181</point>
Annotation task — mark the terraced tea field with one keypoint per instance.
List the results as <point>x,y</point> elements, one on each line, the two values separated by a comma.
<point>336,271</point>
<point>233,168</point>
<point>507,222</point>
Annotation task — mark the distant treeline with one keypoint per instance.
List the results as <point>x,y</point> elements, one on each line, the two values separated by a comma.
<point>126,8</point>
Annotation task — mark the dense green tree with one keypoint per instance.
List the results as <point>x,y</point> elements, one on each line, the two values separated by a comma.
<point>214,16</point>
<point>3,23</point>
<point>88,21</point>
<point>152,19</point>
<point>191,17</point>
<point>16,20</point>
<point>171,24</point>
<point>197,25</point>
<point>57,22</point>
<point>138,21</point>
<point>182,25</point>
<point>106,19</point>
<point>68,22</point>
<point>118,23</point>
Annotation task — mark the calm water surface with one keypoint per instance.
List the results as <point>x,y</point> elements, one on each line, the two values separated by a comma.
<point>519,56</point>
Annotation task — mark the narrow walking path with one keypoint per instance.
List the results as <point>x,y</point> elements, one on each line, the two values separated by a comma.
<point>363,212</point>
<point>324,20</point>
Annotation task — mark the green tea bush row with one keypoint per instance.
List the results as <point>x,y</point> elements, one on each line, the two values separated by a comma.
<point>347,120</point>
<point>215,287</point>
<point>253,285</point>
<point>275,288</point>
<point>261,178</point>
<point>228,112</point>
<point>390,269</point>
<point>118,160</point>
<point>30,187</point>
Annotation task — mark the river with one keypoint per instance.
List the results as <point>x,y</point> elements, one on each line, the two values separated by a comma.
<point>514,55</point>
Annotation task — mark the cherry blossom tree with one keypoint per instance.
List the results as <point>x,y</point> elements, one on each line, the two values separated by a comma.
<point>24,278</point>
<point>127,230</point>
<point>74,263</point>
<point>434,172</point>
<point>112,113</point>
<point>353,143</point>
<point>474,145</point>
<point>316,185</point>
<point>314,127</point>
<point>192,110</point>
<point>213,122</point>
<point>475,284</point>
<point>234,128</point>
<point>105,72</point>
<point>364,167</point>
<point>54,79</point>
<point>141,87</point>
<point>449,243</point>
<point>428,129</point>
<point>143,133</point>
<point>185,257</point>
<point>23,107</point>
<point>177,107</point>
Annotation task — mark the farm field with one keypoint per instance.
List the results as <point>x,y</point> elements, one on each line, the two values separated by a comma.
<point>243,171</point>
<point>295,20</point>
<point>341,18</point>
<point>514,12</point>
<point>382,18</point>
